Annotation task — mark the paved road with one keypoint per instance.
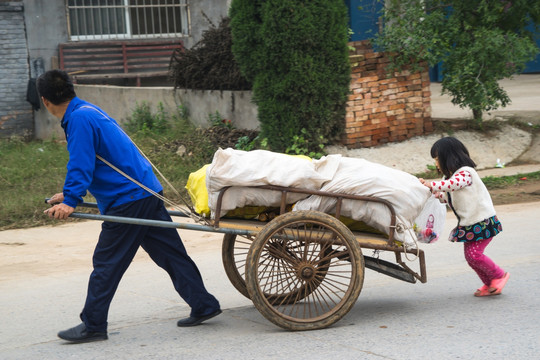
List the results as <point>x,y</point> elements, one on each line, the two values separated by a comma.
<point>523,90</point>
<point>43,284</point>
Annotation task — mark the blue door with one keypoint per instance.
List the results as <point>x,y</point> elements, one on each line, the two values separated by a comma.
<point>534,65</point>
<point>364,18</point>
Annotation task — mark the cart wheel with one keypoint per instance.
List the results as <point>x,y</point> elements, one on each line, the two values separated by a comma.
<point>234,253</point>
<point>304,270</point>
<point>234,250</point>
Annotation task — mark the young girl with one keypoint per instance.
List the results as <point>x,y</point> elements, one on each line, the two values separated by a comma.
<point>465,193</point>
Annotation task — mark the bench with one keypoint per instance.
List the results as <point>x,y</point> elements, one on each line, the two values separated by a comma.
<point>117,59</point>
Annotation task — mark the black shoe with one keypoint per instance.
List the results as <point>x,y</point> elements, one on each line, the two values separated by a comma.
<point>79,334</point>
<point>192,320</point>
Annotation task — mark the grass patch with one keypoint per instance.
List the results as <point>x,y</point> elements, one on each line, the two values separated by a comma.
<point>499,182</point>
<point>29,172</point>
<point>491,182</point>
<point>430,173</point>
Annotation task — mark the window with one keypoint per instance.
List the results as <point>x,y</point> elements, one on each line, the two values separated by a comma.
<point>127,19</point>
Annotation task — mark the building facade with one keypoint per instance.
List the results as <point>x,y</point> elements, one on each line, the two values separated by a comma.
<point>31,30</point>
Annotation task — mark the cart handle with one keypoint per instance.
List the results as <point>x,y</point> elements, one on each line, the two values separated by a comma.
<point>157,223</point>
<point>93,205</point>
<point>161,223</point>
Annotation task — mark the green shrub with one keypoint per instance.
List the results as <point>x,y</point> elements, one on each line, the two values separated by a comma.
<point>296,54</point>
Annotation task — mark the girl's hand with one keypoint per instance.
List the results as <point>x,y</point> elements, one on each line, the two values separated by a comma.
<point>425,183</point>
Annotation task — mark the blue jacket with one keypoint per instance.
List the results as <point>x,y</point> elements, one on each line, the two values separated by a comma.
<point>90,131</point>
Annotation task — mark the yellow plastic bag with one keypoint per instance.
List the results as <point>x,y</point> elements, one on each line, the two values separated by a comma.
<point>196,187</point>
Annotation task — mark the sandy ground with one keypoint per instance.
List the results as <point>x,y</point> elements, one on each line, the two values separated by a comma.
<point>38,252</point>
<point>413,155</point>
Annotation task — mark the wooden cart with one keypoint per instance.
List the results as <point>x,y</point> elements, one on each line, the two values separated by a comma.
<point>303,270</point>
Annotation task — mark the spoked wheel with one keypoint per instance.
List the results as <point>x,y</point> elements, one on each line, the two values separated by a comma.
<point>304,270</point>
<point>234,250</point>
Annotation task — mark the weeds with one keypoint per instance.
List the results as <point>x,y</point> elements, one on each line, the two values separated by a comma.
<point>300,146</point>
<point>524,125</point>
<point>217,120</point>
<point>143,120</point>
<point>244,143</point>
<point>179,151</point>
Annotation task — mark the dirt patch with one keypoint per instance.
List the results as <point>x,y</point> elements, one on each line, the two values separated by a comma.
<point>524,191</point>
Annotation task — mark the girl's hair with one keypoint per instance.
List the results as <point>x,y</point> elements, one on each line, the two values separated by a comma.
<point>55,86</point>
<point>451,154</point>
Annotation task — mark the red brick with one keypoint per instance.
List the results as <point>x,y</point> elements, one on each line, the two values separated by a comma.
<point>389,92</point>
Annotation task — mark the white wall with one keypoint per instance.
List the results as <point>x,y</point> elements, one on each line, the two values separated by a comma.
<point>119,102</point>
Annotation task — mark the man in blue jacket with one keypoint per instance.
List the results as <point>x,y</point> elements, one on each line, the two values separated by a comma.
<point>91,132</point>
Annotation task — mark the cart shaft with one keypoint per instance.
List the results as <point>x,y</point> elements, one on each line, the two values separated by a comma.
<point>158,223</point>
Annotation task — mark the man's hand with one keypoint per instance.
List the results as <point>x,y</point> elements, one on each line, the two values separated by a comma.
<point>60,211</point>
<point>56,199</point>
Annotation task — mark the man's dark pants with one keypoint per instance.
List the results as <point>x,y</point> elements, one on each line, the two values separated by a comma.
<point>118,244</point>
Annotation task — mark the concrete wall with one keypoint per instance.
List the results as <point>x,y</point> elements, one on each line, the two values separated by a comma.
<point>46,25</point>
<point>15,112</point>
<point>119,102</point>
<point>213,9</point>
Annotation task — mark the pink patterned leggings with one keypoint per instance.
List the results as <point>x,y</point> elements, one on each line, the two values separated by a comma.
<point>486,269</point>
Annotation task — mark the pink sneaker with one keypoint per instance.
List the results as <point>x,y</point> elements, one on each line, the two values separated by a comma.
<point>483,291</point>
<point>498,284</point>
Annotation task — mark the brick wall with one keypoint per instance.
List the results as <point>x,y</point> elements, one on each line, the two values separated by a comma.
<point>16,114</point>
<point>383,109</point>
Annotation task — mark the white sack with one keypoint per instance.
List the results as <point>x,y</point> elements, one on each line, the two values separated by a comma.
<point>362,177</point>
<point>238,169</point>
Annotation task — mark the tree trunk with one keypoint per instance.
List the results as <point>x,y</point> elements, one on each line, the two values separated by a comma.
<point>477,115</point>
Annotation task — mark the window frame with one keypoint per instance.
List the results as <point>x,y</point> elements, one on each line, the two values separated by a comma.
<point>185,25</point>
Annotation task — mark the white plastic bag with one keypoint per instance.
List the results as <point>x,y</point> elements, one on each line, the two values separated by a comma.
<point>429,225</point>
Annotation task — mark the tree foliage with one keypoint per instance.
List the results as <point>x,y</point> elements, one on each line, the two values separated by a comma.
<point>295,53</point>
<point>478,42</point>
